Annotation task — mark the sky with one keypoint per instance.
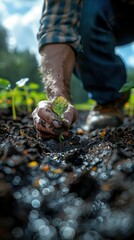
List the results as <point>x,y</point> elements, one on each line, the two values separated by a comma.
<point>21,19</point>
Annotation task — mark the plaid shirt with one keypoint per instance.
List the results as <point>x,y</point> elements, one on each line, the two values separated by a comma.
<point>60,22</point>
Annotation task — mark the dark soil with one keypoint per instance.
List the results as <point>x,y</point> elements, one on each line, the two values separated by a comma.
<point>80,189</point>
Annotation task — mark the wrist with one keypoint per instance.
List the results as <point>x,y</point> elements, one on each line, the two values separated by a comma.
<point>52,96</point>
<point>57,64</point>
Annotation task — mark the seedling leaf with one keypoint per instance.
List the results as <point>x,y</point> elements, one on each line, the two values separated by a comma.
<point>22,82</point>
<point>61,137</point>
<point>127,86</point>
<point>33,86</point>
<point>4,83</point>
<point>59,105</point>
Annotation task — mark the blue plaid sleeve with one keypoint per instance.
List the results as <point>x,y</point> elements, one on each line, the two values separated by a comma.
<point>60,23</point>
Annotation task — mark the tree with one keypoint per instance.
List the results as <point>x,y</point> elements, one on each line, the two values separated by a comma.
<point>3,39</point>
<point>16,65</point>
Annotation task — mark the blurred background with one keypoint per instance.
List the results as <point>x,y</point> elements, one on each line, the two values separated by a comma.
<point>19,57</point>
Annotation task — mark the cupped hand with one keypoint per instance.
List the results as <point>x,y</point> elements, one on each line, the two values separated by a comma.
<point>48,124</point>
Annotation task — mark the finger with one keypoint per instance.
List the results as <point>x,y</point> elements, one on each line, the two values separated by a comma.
<point>70,116</point>
<point>49,116</point>
<point>57,123</point>
<point>47,131</point>
<point>43,126</point>
<point>46,128</point>
<point>46,114</point>
<point>43,112</point>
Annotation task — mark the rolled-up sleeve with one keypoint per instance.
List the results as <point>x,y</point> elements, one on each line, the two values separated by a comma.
<point>60,23</point>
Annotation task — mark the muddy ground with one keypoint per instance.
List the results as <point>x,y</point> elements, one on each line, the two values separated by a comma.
<point>80,189</point>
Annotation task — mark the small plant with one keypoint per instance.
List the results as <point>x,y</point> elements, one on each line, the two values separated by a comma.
<point>59,106</point>
<point>4,83</point>
<point>127,86</point>
<point>14,93</point>
<point>22,96</point>
<point>4,86</point>
<point>19,84</point>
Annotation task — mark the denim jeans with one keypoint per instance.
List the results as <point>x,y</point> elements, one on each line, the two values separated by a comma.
<point>104,25</point>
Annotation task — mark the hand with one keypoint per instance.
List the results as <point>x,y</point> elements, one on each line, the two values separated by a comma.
<point>47,122</point>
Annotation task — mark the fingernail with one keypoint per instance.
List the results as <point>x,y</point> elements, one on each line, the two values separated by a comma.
<point>46,112</point>
<point>57,124</point>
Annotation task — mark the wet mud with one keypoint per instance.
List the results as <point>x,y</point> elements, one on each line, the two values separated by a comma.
<point>78,189</point>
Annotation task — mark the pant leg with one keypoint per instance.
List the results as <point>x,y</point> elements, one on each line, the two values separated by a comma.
<point>101,71</point>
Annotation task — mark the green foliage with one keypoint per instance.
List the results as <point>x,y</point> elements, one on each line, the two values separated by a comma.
<point>130,81</point>
<point>78,94</point>
<point>127,86</point>
<point>15,65</point>
<point>22,96</point>
<point>4,83</point>
<point>86,105</point>
<point>3,39</point>
<point>59,106</point>
<point>129,106</point>
<point>14,93</point>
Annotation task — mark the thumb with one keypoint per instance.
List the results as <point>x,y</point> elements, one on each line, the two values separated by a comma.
<point>70,116</point>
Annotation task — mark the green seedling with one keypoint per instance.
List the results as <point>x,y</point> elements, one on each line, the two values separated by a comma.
<point>59,106</point>
<point>27,93</point>
<point>13,93</point>
<point>127,86</point>
<point>24,95</point>
<point>19,84</point>
<point>35,95</point>
<point>4,84</point>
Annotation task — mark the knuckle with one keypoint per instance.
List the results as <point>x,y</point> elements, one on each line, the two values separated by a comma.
<point>34,112</point>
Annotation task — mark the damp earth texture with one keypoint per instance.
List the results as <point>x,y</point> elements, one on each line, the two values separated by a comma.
<point>79,189</point>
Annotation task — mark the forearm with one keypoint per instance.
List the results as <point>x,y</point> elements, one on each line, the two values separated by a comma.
<point>57,63</point>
